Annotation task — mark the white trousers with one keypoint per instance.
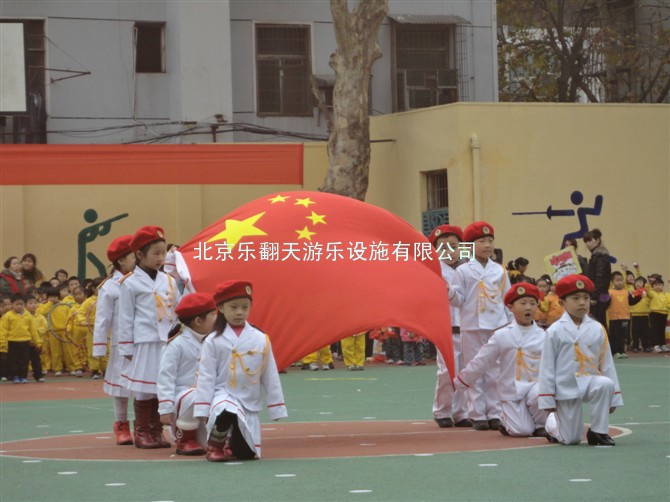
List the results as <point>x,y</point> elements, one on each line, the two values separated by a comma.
<point>522,417</point>
<point>447,402</point>
<point>483,394</point>
<point>567,424</point>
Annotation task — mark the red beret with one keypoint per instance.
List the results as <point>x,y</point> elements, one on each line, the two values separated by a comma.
<point>519,290</point>
<point>145,235</point>
<point>119,248</point>
<point>477,230</point>
<point>445,230</point>
<point>230,290</point>
<point>194,304</point>
<point>573,284</point>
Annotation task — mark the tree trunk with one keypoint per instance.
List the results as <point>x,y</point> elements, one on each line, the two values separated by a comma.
<point>349,139</point>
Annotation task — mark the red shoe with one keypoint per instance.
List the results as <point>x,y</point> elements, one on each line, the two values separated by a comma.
<point>219,452</point>
<point>187,444</point>
<point>142,432</point>
<point>122,432</point>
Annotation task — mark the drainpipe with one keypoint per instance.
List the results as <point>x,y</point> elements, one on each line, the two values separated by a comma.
<point>476,188</point>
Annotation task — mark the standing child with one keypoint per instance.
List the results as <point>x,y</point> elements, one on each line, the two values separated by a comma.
<point>56,314</point>
<point>77,329</point>
<point>17,329</point>
<point>236,363</point>
<point>478,290</point>
<point>618,314</point>
<point>639,316</point>
<point>106,334</point>
<point>97,365</point>
<point>450,407</point>
<point>37,350</point>
<point>353,351</point>
<point>146,313</point>
<point>659,306</point>
<point>518,348</point>
<point>179,369</point>
<point>5,307</point>
<point>412,348</point>
<point>310,360</point>
<point>577,367</point>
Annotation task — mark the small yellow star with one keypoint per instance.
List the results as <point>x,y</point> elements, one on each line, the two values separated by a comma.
<point>305,234</point>
<point>236,229</point>
<point>304,202</point>
<point>279,198</point>
<point>317,218</point>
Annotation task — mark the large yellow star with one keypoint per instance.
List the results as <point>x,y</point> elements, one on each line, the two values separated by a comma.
<point>279,198</point>
<point>304,202</point>
<point>305,234</point>
<point>317,218</point>
<point>236,229</point>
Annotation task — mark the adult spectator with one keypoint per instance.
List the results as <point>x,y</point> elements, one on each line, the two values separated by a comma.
<point>599,270</point>
<point>30,270</point>
<point>11,279</point>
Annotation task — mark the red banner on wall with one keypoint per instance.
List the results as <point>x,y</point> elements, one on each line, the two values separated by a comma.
<point>218,164</point>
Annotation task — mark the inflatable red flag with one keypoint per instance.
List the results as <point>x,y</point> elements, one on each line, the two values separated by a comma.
<point>323,267</point>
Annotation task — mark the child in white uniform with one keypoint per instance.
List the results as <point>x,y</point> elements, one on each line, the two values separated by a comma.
<point>106,331</point>
<point>179,369</point>
<point>236,363</point>
<point>478,291</point>
<point>577,367</point>
<point>146,313</point>
<point>518,348</point>
<point>450,408</point>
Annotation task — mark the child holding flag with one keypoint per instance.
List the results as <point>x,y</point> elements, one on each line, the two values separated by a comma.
<point>518,348</point>
<point>147,301</point>
<point>179,368</point>
<point>236,362</point>
<point>478,290</point>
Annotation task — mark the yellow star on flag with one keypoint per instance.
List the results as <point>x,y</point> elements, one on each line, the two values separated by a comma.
<point>305,234</point>
<point>279,198</point>
<point>236,229</point>
<point>304,202</point>
<point>316,218</point>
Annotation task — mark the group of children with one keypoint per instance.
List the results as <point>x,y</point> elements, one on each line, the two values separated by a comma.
<point>54,333</point>
<point>512,375</point>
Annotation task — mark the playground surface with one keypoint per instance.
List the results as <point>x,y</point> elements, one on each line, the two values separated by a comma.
<point>350,436</point>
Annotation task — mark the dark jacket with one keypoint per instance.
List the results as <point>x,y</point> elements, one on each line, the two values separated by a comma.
<point>600,272</point>
<point>9,284</point>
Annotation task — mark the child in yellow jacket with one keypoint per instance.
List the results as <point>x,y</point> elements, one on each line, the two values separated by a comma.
<point>77,330</point>
<point>97,365</point>
<point>17,328</point>
<point>56,314</point>
<point>659,306</point>
<point>36,360</point>
<point>639,315</point>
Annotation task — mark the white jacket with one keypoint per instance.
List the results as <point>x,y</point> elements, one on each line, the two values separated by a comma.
<point>571,355</point>
<point>519,355</point>
<point>239,367</point>
<point>178,369</point>
<point>107,315</point>
<point>146,309</point>
<point>478,291</point>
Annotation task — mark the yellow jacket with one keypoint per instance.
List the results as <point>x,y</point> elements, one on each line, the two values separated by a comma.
<point>641,308</point>
<point>56,315</point>
<point>76,317</point>
<point>88,307</point>
<point>19,328</point>
<point>40,325</point>
<point>658,302</point>
<point>551,307</point>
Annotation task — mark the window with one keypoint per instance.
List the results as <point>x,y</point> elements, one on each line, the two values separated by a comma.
<point>437,191</point>
<point>149,47</point>
<point>425,69</point>
<point>282,70</point>
<point>437,201</point>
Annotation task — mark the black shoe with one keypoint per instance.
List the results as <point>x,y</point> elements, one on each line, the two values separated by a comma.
<point>502,430</point>
<point>550,438</point>
<point>540,433</point>
<point>597,439</point>
<point>466,422</point>
<point>331,366</point>
<point>444,423</point>
<point>304,367</point>
<point>494,424</point>
<point>480,425</point>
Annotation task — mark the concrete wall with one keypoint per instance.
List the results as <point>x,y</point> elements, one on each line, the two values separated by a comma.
<point>532,156</point>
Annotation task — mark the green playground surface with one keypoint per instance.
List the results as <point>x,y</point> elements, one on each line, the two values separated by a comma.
<point>638,468</point>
